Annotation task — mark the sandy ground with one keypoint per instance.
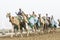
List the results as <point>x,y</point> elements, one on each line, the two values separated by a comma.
<point>49,36</point>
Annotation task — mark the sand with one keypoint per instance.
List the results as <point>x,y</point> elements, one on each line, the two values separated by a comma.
<point>47,36</point>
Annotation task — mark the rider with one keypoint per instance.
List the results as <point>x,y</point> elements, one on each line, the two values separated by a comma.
<point>19,14</point>
<point>31,20</point>
<point>53,22</point>
<point>58,22</point>
<point>39,20</point>
<point>47,21</point>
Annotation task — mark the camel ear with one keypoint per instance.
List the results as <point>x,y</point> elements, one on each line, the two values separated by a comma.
<point>12,17</point>
<point>9,13</point>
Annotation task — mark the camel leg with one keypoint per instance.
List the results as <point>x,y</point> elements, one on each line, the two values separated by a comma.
<point>15,29</point>
<point>18,27</point>
<point>27,29</point>
<point>35,29</point>
<point>44,28</point>
<point>16,32</point>
<point>21,33</point>
<point>51,31</point>
<point>12,33</point>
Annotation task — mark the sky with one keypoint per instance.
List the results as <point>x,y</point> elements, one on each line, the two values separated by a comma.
<point>52,7</point>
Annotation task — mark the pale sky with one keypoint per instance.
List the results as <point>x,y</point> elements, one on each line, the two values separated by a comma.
<point>52,7</point>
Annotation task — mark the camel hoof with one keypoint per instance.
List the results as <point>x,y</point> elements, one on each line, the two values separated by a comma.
<point>21,36</point>
<point>11,36</point>
<point>27,35</point>
<point>16,35</point>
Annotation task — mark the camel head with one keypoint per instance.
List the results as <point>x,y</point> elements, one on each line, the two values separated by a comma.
<point>8,14</point>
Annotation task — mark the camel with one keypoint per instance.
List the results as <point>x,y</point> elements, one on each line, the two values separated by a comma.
<point>25,18</point>
<point>45,24</point>
<point>14,21</point>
